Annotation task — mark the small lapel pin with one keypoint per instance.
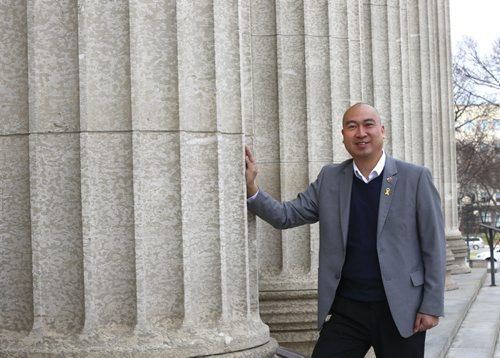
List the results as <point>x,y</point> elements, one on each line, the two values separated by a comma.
<point>387,191</point>
<point>389,180</point>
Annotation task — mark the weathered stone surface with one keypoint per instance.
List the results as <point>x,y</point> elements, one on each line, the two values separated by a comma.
<point>13,69</point>
<point>56,231</point>
<point>16,279</point>
<point>124,229</point>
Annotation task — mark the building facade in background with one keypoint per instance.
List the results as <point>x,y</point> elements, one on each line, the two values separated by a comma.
<point>123,227</point>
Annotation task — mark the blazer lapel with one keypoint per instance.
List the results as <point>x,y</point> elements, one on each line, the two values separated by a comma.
<point>387,191</point>
<point>345,199</point>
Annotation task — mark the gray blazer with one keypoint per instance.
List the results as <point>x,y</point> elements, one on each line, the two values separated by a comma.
<point>411,242</point>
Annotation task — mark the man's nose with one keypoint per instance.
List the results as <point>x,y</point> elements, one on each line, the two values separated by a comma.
<point>360,132</point>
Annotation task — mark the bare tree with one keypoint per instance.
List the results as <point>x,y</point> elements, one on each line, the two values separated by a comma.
<point>476,87</point>
<point>477,161</point>
<point>476,82</point>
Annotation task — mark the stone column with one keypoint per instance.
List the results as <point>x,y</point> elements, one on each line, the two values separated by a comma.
<point>283,119</point>
<point>449,162</point>
<point>311,60</point>
<point>123,223</point>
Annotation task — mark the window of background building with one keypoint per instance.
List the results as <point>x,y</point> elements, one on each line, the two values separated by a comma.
<point>486,217</point>
<point>496,125</point>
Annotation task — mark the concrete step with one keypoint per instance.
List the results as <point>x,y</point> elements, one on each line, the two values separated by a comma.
<point>456,304</point>
<point>478,333</point>
<point>497,349</point>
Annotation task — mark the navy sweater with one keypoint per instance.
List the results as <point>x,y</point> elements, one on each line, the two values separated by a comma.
<point>361,277</point>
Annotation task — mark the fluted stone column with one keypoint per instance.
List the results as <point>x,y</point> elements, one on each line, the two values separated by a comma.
<point>449,162</point>
<point>123,219</point>
<point>430,68</point>
<point>310,61</point>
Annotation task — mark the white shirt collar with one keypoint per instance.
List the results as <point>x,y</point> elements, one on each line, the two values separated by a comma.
<point>374,173</point>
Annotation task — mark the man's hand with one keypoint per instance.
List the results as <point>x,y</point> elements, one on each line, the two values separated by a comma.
<point>423,322</point>
<point>250,173</point>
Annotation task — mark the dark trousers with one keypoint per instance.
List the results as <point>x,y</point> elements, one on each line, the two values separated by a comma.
<point>356,326</point>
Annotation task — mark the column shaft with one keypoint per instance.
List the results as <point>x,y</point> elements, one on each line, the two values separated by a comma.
<point>16,280</point>
<point>449,178</point>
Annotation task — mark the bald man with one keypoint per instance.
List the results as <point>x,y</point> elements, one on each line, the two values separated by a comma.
<point>382,257</point>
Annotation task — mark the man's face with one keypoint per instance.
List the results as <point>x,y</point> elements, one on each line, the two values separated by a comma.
<point>363,132</point>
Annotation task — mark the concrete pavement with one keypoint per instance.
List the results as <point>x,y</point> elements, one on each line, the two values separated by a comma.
<point>471,326</point>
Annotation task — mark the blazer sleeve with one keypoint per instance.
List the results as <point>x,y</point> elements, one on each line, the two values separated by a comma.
<point>304,209</point>
<point>432,244</point>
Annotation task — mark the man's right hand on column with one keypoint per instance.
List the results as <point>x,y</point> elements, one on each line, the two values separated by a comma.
<point>250,173</point>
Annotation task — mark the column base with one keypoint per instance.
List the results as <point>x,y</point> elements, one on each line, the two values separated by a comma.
<point>292,318</point>
<point>237,343</point>
<point>450,284</point>
<point>459,249</point>
<point>267,350</point>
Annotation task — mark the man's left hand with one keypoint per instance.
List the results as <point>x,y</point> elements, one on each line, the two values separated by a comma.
<point>423,322</point>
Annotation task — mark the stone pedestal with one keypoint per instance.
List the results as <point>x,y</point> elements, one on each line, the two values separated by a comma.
<point>459,249</point>
<point>292,317</point>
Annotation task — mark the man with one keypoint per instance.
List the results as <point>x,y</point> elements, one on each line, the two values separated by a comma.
<point>382,247</point>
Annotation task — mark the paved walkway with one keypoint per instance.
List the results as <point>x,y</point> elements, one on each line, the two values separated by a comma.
<point>471,326</point>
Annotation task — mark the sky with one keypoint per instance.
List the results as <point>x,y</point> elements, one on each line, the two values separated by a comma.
<point>479,19</point>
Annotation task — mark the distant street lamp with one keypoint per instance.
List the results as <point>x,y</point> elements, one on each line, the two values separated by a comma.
<point>490,236</point>
<point>468,217</point>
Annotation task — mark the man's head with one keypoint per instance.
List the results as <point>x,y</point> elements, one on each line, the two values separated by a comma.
<point>363,133</point>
